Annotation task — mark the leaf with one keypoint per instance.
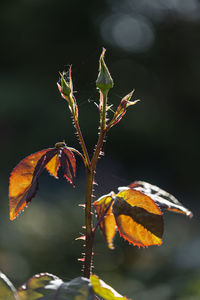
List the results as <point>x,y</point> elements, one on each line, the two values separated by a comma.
<point>138,218</point>
<point>53,166</point>
<point>108,224</point>
<point>68,163</point>
<point>38,286</point>
<point>49,287</point>
<point>121,109</point>
<point>162,198</point>
<point>7,290</point>
<point>103,290</point>
<point>23,183</point>
<point>79,288</point>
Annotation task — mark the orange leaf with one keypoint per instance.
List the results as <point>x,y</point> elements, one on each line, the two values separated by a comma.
<point>68,164</point>
<point>53,166</point>
<point>24,177</point>
<point>21,181</point>
<point>138,218</point>
<point>108,224</point>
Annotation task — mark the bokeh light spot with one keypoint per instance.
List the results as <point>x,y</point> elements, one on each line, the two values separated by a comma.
<point>132,34</point>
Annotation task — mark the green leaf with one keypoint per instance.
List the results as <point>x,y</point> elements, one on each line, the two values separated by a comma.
<point>7,290</point>
<point>49,287</point>
<point>103,290</point>
<point>65,86</point>
<point>38,286</point>
<point>79,288</point>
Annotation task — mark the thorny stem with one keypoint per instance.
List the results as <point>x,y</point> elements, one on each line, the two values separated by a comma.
<point>88,224</point>
<point>80,136</point>
<point>103,120</point>
<point>89,165</point>
<point>102,133</point>
<point>89,189</point>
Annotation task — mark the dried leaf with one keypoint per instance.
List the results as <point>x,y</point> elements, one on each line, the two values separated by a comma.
<point>138,218</point>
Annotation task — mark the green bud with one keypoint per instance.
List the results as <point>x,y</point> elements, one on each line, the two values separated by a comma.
<point>104,80</point>
<point>65,86</point>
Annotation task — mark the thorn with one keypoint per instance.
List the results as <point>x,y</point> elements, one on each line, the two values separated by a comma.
<point>82,205</point>
<point>82,237</point>
<point>81,259</point>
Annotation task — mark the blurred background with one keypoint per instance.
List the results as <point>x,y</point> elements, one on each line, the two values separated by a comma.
<point>152,46</point>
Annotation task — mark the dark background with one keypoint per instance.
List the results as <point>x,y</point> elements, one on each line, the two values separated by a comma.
<point>152,46</point>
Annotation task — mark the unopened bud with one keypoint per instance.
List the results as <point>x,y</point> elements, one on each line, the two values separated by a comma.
<point>104,80</point>
<point>66,90</point>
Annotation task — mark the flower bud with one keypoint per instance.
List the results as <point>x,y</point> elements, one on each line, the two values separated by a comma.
<point>65,86</point>
<point>104,80</point>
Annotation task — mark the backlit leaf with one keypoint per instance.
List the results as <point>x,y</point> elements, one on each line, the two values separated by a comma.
<point>68,163</point>
<point>103,290</point>
<point>108,224</point>
<point>53,166</point>
<point>39,286</point>
<point>162,198</point>
<point>7,290</point>
<point>49,287</point>
<point>138,218</point>
<point>23,183</point>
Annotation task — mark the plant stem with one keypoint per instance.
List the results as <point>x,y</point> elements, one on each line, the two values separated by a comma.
<point>90,171</point>
<point>88,224</point>
<point>102,133</point>
<point>104,108</point>
<point>80,136</point>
